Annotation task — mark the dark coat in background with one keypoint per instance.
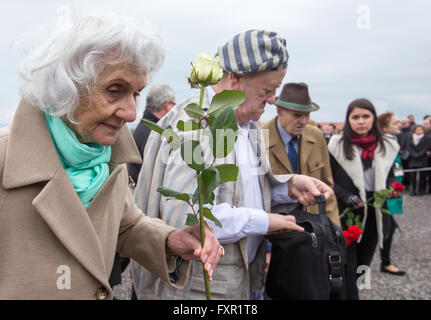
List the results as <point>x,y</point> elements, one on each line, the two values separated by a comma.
<point>141,136</point>
<point>418,159</point>
<point>418,154</point>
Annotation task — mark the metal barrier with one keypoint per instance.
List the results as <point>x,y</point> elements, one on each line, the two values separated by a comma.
<point>418,170</point>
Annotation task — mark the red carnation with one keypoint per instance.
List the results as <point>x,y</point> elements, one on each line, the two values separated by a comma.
<point>397,186</point>
<point>352,234</point>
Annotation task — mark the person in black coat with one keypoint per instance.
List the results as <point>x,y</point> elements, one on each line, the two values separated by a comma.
<point>403,139</point>
<point>160,99</point>
<point>427,125</point>
<point>361,163</point>
<point>417,147</point>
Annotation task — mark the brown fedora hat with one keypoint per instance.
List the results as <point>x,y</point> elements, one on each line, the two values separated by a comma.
<point>294,96</point>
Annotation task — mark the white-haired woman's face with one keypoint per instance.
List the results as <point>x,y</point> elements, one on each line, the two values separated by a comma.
<point>110,103</point>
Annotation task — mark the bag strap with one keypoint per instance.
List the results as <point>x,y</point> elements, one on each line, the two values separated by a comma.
<point>321,204</point>
<point>336,281</point>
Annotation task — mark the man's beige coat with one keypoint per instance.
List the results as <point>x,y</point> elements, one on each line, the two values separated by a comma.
<point>313,160</point>
<point>51,247</point>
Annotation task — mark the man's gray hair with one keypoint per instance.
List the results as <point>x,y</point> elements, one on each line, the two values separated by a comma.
<point>158,95</point>
<point>62,68</point>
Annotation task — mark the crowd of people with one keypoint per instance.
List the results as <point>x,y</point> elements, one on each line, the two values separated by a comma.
<point>79,193</point>
<point>415,155</point>
<point>415,141</point>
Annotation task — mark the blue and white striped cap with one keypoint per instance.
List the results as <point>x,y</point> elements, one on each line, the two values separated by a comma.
<point>254,51</point>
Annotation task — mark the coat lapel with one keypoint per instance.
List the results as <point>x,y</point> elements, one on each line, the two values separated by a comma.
<point>59,206</point>
<point>258,146</point>
<point>306,146</point>
<point>352,167</point>
<point>277,148</point>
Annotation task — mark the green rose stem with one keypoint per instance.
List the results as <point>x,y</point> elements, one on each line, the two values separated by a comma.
<point>206,71</point>
<point>379,199</point>
<point>202,227</point>
<point>201,206</point>
<point>201,99</point>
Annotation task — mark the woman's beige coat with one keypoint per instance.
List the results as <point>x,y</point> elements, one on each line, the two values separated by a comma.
<point>51,247</point>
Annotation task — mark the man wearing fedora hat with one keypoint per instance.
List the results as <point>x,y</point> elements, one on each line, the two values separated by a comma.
<point>255,62</point>
<point>295,146</point>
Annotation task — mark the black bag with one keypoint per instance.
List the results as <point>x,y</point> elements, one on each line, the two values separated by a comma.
<point>307,265</point>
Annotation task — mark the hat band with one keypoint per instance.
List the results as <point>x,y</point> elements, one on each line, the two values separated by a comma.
<point>294,105</point>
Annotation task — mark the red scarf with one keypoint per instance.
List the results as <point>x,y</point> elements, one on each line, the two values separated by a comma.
<point>368,144</point>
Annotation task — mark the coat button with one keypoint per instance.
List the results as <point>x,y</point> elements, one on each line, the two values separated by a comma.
<point>101,294</point>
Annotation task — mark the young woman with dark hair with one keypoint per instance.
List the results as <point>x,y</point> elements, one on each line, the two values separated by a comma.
<point>361,162</point>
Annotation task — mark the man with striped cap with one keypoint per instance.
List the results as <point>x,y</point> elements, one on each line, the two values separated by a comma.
<point>254,62</point>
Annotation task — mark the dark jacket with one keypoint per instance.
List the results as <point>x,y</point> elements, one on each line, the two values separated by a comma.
<point>403,140</point>
<point>418,154</point>
<point>141,135</point>
<point>429,159</point>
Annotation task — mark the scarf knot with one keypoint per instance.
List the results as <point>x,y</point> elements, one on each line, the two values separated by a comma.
<point>368,144</point>
<point>417,138</point>
<point>86,165</point>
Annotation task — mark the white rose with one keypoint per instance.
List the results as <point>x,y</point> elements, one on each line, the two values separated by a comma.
<point>206,70</point>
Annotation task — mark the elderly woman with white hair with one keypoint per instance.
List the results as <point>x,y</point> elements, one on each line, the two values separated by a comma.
<point>65,205</point>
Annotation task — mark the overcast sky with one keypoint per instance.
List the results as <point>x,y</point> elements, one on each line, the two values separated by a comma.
<point>343,49</point>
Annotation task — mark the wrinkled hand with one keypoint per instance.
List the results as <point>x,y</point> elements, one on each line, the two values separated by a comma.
<point>282,223</point>
<point>354,201</point>
<point>305,189</point>
<point>186,243</point>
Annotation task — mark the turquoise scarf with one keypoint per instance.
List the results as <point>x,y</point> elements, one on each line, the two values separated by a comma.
<point>85,164</point>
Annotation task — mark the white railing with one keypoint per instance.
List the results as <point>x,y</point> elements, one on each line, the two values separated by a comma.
<point>417,170</point>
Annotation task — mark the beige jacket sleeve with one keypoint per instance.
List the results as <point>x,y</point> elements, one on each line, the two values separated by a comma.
<point>144,240</point>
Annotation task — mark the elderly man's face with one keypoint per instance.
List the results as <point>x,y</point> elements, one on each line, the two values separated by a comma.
<point>259,90</point>
<point>110,103</point>
<point>293,121</point>
<point>405,123</point>
<point>328,130</point>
